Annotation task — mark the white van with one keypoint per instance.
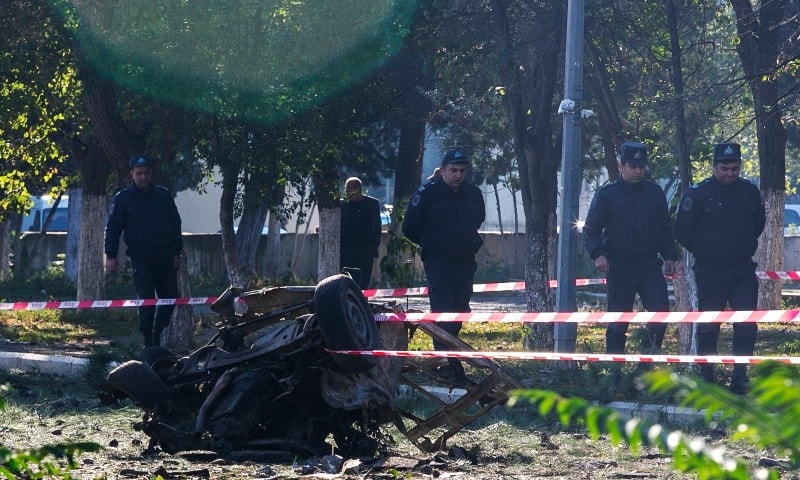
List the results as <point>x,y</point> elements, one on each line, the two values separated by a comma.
<point>33,221</point>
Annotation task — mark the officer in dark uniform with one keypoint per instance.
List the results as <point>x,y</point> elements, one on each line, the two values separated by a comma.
<point>628,234</point>
<point>719,221</point>
<point>443,218</point>
<point>146,216</point>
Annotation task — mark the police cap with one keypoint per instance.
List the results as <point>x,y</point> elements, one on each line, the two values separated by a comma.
<point>634,153</point>
<point>727,152</point>
<point>139,160</point>
<point>454,155</point>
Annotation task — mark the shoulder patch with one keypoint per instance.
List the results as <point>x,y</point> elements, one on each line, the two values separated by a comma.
<point>415,199</point>
<point>686,204</point>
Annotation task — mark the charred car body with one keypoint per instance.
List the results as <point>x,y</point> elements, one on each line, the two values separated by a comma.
<point>286,391</point>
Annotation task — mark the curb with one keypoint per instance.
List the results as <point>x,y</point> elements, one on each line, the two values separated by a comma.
<point>50,364</point>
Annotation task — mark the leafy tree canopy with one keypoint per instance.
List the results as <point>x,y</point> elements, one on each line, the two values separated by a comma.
<point>264,61</point>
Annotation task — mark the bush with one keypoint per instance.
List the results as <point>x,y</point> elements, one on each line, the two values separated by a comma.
<point>767,416</point>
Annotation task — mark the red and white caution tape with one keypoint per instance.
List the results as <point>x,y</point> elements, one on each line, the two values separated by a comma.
<point>519,286</point>
<point>105,303</point>
<point>579,357</point>
<point>379,293</point>
<point>476,288</point>
<point>791,275</point>
<point>751,316</point>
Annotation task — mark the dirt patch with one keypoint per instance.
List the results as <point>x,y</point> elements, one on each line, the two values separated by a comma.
<point>508,443</point>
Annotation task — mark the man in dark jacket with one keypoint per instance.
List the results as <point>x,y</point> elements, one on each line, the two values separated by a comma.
<point>443,218</point>
<point>719,221</point>
<point>361,230</point>
<point>147,218</point>
<point>628,234</point>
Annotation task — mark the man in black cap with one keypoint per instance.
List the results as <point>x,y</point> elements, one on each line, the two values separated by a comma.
<point>146,216</point>
<point>443,218</point>
<point>628,234</point>
<point>719,221</point>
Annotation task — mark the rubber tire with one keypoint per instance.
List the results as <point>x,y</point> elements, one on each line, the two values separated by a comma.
<point>346,322</point>
<point>140,383</point>
<point>157,357</point>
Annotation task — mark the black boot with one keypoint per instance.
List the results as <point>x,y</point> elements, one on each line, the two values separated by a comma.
<point>739,383</point>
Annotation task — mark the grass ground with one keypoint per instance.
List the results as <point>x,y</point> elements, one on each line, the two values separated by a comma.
<point>506,443</point>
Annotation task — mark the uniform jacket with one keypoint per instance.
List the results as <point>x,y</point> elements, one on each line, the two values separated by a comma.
<point>361,226</point>
<point>444,223</point>
<point>720,225</point>
<point>629,224</point>
<point>148,222</point>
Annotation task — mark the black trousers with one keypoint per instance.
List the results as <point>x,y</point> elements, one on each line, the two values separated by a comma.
<point>735,285</point>
<point>154,277</point>
<point>363,261</point>
<point>623,285</point>
<point>449,290</point>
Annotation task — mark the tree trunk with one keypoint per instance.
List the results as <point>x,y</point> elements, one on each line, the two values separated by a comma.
<point>759,49</point>
<point>769,255</point>
<point>326,189</point>
<point>684,287</point>
<point>273,246</point>
<point>685,290</point>
<point>5,250</point>
<point>72,260</point>
<point>236,276</point>
<point>531,113</point>
<point>329,227</point>
<point>179,336</point>
<point>91,277</point>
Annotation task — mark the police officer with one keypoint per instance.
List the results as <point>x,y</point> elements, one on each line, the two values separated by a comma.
<point>146,216</point>
<point>719,221</point>
<point>443,218</point>
<point>628,234</point>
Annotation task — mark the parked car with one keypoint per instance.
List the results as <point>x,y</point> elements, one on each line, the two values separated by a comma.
<point>791,220</point>
<point>35,218</point>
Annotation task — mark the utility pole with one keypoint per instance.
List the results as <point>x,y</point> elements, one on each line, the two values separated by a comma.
<point>565,334</point>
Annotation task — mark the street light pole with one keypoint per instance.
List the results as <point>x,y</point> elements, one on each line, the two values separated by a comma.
<point>565,334</point>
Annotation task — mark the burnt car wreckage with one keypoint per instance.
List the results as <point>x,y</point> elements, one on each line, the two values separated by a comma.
<point>268,381</point>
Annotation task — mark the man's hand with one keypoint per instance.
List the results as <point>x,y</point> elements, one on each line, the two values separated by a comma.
<point>669,268</point>
<point>111,265</point>
<point>601,263</point>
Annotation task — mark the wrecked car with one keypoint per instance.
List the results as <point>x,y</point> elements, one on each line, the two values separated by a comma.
<point>267,380</point>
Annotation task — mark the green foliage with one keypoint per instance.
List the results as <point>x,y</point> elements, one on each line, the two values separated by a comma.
<point>40,98</point>
<point>397,266</point>
<point>37,463</point>
<point>766,416</point>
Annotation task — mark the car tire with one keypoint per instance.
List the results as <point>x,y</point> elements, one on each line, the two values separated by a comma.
<point>140,383</point>
<point>346,322</point>
<point>157,357</point>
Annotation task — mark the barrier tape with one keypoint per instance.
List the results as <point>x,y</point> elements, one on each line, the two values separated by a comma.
<point>730,316</point>
<point>514,286</point>
<point>580,357</point>
<point>379,293</point>
<point>105,303</point>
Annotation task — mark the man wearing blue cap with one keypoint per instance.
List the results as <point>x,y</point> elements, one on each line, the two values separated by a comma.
<point>443,218</point>
<point>628,234</point>
<point>719,221</point>
<point>147,218</point>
